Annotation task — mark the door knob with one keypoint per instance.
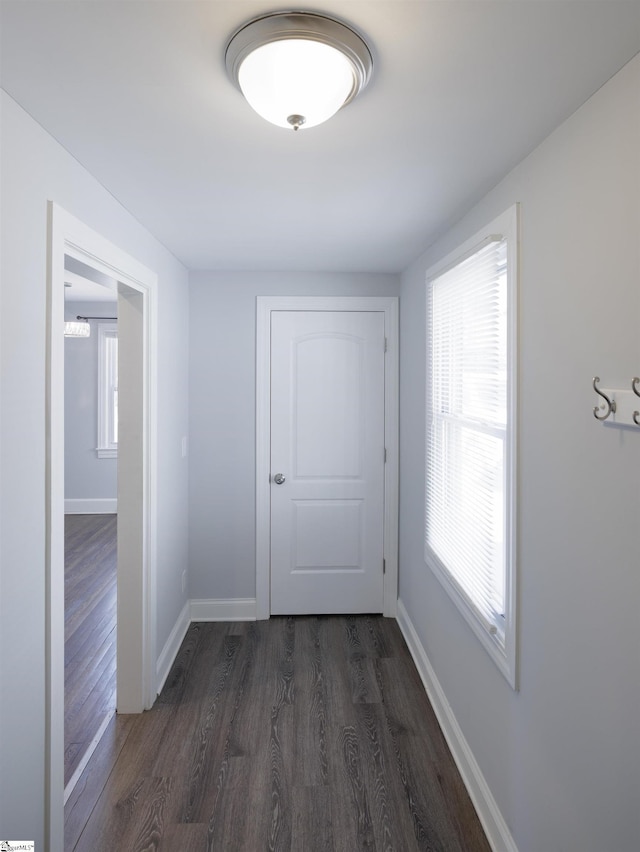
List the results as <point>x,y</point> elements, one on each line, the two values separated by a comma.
<point>278,479</point>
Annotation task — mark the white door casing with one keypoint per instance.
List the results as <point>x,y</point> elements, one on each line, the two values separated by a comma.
<point>136,681</point>
<point>315,517</point>
<point>327,451</point>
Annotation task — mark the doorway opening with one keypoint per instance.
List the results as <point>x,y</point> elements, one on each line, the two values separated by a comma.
<point>71,241</point>
<point>90,505</point>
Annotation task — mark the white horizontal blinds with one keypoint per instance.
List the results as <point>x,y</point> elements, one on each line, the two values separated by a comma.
<point>467,428</point>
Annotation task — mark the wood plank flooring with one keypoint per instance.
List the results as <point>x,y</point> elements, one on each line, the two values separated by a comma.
<point>90,631</point>
<point>297,734</point>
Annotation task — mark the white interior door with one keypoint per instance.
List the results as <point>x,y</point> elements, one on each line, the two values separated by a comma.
<point>327,461</point>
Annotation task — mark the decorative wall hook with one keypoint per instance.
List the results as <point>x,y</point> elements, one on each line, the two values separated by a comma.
<point>610,404</point>
<point>634,387</point>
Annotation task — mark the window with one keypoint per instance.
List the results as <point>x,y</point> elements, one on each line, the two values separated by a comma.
<point>471,428</point>
<point>107,390</point>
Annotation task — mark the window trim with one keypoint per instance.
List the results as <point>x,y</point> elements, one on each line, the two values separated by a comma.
<point>105,449</point>
<point>505,656</point>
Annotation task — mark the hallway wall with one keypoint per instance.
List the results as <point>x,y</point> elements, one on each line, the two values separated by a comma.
<point>222,395</point>
<point>35,169</point>
<point>561,757</point>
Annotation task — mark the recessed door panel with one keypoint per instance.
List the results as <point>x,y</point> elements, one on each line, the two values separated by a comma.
<point>327,399</point>
<point>327,535</point>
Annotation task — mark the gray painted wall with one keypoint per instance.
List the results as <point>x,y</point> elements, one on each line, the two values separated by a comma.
<point>222,380</point>
<point>562,756</point>
<point>85,475</point>
<point>34,169</point>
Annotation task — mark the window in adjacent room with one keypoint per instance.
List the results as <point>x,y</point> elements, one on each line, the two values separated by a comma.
<point>107,390</point>
<point>470,518</point>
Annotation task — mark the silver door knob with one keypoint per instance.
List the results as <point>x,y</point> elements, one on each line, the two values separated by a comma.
<point>278,479</point>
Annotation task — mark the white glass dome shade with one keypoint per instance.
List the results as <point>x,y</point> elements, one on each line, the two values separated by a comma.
<point>297,69</point>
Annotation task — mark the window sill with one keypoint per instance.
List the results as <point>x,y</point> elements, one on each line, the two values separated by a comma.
<point>104,453</point>
<point>499,648</point>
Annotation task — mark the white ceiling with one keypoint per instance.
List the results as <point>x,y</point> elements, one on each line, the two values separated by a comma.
<point>82,283</point>
<point>461,92</point>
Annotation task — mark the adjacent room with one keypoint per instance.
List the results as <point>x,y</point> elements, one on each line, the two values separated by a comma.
<point>367,466</point>
<point>90,509</point>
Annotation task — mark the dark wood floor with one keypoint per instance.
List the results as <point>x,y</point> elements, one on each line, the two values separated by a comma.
<point>296,734</point>
<point>90,631</point>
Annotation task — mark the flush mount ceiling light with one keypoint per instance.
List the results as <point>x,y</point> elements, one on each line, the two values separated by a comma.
<point>297,69</point>
<point>81,328</point>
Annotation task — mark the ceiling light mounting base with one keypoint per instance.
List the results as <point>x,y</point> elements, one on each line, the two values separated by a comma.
<point>296,121</point>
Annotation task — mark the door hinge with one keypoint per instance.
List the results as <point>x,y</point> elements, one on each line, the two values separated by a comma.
<point>384,566</point>
<point>385,455</point>
<point>386,344</point>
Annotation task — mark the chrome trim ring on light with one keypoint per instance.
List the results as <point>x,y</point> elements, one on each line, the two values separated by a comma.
<point>280,26</point>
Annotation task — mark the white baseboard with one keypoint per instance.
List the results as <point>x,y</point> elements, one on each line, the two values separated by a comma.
<point>91,506</point>
<point>494,825</point>
<point>171,647</point>
<point>233,609</point>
